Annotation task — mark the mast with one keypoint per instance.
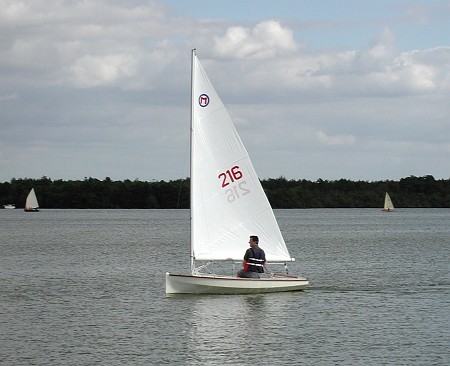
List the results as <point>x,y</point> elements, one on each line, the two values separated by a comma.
<point>192,260</point>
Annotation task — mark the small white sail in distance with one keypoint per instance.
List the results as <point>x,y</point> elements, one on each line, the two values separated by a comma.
<point>31,201</point>
<point>388,205</point>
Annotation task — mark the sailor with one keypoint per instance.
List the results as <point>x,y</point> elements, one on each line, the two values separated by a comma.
<point>254,260</point>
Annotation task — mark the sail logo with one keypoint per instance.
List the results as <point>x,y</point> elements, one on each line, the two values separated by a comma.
<point>203,100</point>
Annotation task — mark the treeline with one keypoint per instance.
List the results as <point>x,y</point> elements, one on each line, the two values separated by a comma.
<point>282,193</point>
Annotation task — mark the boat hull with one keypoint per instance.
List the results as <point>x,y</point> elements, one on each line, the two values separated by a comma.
<point>31,210</point>
<point>204,284</point>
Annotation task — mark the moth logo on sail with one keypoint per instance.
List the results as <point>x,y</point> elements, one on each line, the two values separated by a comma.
<point>203,100</point>
<point>235,186</point>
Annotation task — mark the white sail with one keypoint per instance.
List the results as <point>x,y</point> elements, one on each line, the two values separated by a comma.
<point>388,205</point>
<point>228,203</point>
<point>31,202</point>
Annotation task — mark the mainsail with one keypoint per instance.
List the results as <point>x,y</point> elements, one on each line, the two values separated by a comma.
<point>31,203</point>
<point>228,203</point>
<point>388,205</point>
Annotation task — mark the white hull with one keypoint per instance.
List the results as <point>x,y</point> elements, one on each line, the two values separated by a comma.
<point>204,284</point>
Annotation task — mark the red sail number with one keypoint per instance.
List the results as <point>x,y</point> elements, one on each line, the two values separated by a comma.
<point>230,176</point>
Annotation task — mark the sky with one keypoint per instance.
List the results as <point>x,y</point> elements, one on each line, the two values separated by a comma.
<point>317,89</point>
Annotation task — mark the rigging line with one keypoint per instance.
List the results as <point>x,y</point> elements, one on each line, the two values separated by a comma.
<point>179,193</point>
<point>186,163</point>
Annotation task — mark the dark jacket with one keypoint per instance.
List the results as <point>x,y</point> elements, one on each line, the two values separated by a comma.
<point>255,258</point>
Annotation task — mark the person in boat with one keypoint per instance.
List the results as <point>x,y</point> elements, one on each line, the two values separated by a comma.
<point>254,260</point>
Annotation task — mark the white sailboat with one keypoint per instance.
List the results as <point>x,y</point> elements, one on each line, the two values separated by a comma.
<point>31,204</point>
<point>388,205</point>
<point>228,204</point>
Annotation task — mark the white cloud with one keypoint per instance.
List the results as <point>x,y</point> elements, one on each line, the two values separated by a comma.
<point>7,97</point>
<point>123,69</point>
<point>383,47</point>
<point>85,44</point>
<point>89,71</point>
<point>265,40</point>
<point>336,140</point>
<point>382,72</point>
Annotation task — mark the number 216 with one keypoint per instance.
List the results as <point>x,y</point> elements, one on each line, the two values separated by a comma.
<point>230,176</point>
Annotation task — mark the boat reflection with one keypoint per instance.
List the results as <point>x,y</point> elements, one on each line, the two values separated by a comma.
<point>231,328</point>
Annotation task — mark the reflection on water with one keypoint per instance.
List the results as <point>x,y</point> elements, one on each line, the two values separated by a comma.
<point>227,328</point>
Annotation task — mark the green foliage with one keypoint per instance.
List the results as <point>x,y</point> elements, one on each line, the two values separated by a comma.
<point>408,192</point>
<point>93,193</point>
<point>282,193</point>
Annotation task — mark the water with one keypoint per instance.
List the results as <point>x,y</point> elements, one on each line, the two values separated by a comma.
<point>84,287</point>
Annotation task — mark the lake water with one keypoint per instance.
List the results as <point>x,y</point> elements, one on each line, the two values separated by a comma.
<point>84,287</point>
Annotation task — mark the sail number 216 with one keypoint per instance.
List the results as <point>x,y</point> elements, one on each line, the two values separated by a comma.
<point>234,189</point>
<point>230,176</point>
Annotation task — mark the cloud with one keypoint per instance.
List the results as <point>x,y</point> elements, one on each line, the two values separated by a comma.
<point>91,71</point>
<point>99,43</point>
<point>336,140</point>
<point>382,70</point>
<point>294,71</point>
<point>265,40</point>
<point>12,96</point>
<point>77,43</point>
<point>112,79</point>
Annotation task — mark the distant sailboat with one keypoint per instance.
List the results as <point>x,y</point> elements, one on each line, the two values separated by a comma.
<point>388,205</point>
<point>31,204</point>
<point>10,206</point>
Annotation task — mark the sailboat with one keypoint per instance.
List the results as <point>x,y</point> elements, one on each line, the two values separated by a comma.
<point>228,204</point>
<point>388,205</point>
<point>31,204</point>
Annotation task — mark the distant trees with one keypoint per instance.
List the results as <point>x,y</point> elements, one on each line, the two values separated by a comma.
<point>282,193</point>
<point>408,192</point>
<point>94,193</point>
